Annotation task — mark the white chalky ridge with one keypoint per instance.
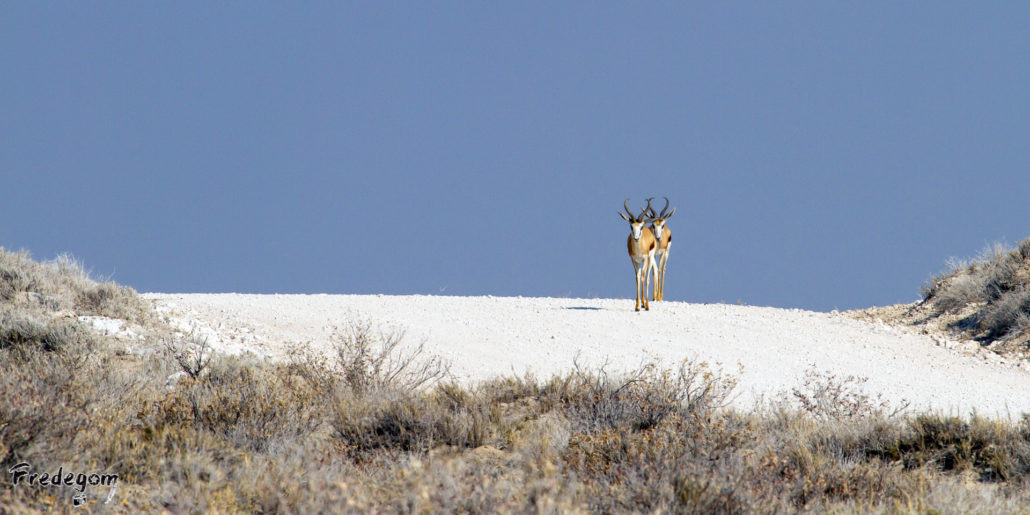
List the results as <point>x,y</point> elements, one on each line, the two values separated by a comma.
<point>486,337</point>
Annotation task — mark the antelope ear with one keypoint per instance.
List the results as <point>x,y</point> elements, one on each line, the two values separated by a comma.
<point>624,217</point>
<point>671,213</point>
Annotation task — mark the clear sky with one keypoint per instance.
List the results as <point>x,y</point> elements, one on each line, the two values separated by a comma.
<point>821,155</point>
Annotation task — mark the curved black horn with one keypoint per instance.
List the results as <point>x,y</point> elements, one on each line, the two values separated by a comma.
<point>625,204</point>
<point>649,210</point>
<point>663,215</point>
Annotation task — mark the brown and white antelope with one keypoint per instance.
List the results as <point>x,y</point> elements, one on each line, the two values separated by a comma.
<point>641,244</point>
<point>663,238</point>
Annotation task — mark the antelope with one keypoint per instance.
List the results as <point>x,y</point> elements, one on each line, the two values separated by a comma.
<point>663,238</point>
<point>641,245</point>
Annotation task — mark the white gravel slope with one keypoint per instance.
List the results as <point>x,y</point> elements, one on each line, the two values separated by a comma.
<point>490,336</point>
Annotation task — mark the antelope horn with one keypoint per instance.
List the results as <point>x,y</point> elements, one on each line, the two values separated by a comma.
<point>663,215</point>
<point>625,204</point>
<point>649,210</point>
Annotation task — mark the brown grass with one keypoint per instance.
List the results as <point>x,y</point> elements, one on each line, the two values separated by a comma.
<point>987,298</point>
<point>331,434</point>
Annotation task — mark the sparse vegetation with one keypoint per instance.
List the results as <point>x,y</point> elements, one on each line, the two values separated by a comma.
<point>830,396</point>
<point>378,426</point>
<point>368,360</point>
<point>193,354</point>
<point>987,298</point>
<point>63,285</point>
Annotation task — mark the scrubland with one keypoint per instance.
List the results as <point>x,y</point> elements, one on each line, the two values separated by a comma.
<point>378,425</point>
<point>986,298</point>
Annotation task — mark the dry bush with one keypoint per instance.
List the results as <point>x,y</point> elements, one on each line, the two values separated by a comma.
<point>996,450</point>
<point>641,398</point>
<point>1009,312</point>
<point>20,330</point>
<point>63,284</point>
<point>991,293</point>
<point>192,355</point>
<point>411,422</point>
<point>960,291</point>
<point>375,360</point>
<point>826,395</point>
<point>111,300</point>
<point>31,404</point>
<point>19,274</point>
<point>366,360</point>
<point>253,406</point>
<point>681,464</point>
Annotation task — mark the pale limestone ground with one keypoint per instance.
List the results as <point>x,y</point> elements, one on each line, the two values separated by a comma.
<point>486,337</point>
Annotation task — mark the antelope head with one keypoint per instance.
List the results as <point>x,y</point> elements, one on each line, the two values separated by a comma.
<point>636,222</point>
<point>658,219</point>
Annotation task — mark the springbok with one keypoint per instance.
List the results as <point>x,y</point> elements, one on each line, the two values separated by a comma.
<point>663,237</point>
<point>641,245</point>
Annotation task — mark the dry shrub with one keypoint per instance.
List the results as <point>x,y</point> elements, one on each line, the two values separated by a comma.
<point>680,464</point>
<point>641,398</point>
<point>375,360</point>
<point>31,403</point>
<point>991,292</point>
<point>193,355</point>
<point>252,405</point>
<point>1008,312</point>
<point>23,331</point>
<point>826,395</point>
<point>366,360</point>
<point>960,291</point>
<point>111,300</point>
<point>410,422</point>
<point>378,395</point>
<point>996,450</point>
<point>63,284</point>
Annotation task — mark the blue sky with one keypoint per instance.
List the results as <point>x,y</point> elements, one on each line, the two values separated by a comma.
<point>821,155</point>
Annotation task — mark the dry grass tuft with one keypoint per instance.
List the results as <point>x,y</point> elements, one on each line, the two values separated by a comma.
<point>829,396</point>
<point>64,285</point>
<point>986,298</point>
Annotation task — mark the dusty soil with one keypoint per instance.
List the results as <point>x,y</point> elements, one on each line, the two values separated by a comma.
<point>770,349</point>
<point>949,329</point>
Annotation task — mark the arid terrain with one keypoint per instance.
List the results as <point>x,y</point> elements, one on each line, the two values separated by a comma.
<point>428,404</point>
<point>770,349</point>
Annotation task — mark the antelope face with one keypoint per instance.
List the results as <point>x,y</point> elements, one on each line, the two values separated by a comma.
<point>637,228</point>
<point>636,222</point>
<point>658,227</point>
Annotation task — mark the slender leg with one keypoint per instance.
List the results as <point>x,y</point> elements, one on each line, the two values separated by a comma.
<point>641,300</point>
<point>642,278</point>
<point>658,284</point>
<point>661,288</point>
<point>665,260</point>
<point>657,279</point>
<point>636,279</point>
<point>643,284</point>
<point>649,267</point>
<point>654,271</point>
<point>661,283</point>
<point>661,276</point>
